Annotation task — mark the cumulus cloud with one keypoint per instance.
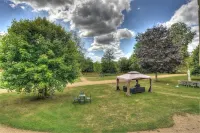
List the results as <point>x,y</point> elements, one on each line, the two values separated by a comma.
<point>93,57</point>
<point>188,14</point>
<point>111,41</point>
<point>125,34</point>
<point>98,17</point>
<point>23,7</point>
<point>93,18</point>
<point>44,4</point>
<point>12,5</point>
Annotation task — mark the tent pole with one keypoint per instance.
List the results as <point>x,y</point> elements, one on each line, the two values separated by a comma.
<point>150,88</point>
<point>128,88</point>
<point>117,88</point>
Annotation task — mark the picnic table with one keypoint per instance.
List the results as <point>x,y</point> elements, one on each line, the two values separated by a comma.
<point>82,98</point>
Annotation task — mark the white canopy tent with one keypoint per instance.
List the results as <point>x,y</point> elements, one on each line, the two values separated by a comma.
<point>133,75</point>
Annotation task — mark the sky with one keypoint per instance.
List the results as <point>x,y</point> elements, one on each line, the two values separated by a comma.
<point>104,24</point>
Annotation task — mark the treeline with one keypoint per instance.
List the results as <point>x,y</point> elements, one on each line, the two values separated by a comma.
<point>108,64</point>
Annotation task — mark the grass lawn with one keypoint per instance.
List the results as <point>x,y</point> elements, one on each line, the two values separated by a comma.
<point>110,111</point>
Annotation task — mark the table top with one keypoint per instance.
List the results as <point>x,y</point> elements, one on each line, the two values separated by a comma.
<point>81,95</point>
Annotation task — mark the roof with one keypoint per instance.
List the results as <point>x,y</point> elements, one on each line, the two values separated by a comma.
<point>133,75</point>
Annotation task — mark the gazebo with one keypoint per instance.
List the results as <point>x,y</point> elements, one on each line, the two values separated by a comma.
<point>133,75</point>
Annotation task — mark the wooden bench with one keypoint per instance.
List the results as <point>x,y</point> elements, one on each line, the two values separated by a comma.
<point>189,83</point>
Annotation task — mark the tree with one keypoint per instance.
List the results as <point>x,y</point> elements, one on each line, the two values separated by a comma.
<point>97,67</point>
<point>108,64</point>
<point>124,64</point>
<point>181,35</point>
<point>195,68</point>
<point>37,55</point>
<point>87,65</point>
<point>134,63</point>
<point>156,51</point>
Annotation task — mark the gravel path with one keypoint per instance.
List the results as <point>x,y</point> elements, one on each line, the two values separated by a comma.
<point>5,129</point>
<point>183,124</point>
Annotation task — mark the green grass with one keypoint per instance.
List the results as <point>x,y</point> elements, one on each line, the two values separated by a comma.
<point>110,111</point>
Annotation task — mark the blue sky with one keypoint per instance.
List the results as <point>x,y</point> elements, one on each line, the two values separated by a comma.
<point>114,28</point>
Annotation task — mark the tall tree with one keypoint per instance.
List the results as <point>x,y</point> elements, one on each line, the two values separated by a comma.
<point>124,64</point>
<point>181,35</point>
<point>87,65</point>
<point>156,51</point>
<point>37,55</point>
<point>134,63</point>
<point>97,67</point>
<point>108,64</point>
<point>194,63</point>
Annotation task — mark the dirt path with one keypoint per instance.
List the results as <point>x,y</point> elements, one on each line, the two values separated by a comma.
<point>5,129</point>
<point>3,91</point>
<point>183,124</point>
<point>83,79</point>
<point>87,82</point>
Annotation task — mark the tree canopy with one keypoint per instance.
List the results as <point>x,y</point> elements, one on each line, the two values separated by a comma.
<point>156,51</point>
<point>108,64</point>
<point>181,35</point>
<point>124,64</point>
<point>37,55</point>
<point>195,68</point>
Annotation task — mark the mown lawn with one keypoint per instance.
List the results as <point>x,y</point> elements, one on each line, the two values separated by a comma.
<point>110,111</point>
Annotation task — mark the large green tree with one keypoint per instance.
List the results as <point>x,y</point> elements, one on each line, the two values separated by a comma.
<point>37,55</point>
<point>108,63</point>
<point>194,63</point>
<point>124,64</point>
<point>156,51</point>
<point>181,35</point>
<point>87,65</point>
<point>134,63</point>
<point>97,67</point>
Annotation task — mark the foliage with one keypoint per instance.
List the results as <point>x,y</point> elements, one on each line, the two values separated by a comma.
<point>195,68</point>
<point>181,35</point>
<point>97,67</point>
<point>156,51</point>
<point>87,65</point>
<point>37,55</point>
<point>124,64</point>
<point>108,64</point>
<point>134,63</point>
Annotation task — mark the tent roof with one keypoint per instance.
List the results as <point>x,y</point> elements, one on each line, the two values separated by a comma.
<point>133,75</point>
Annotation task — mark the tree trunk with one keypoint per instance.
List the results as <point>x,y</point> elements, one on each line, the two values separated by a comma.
<point>156,76</point>
<point>188,73</point>
<point>45,92</point>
